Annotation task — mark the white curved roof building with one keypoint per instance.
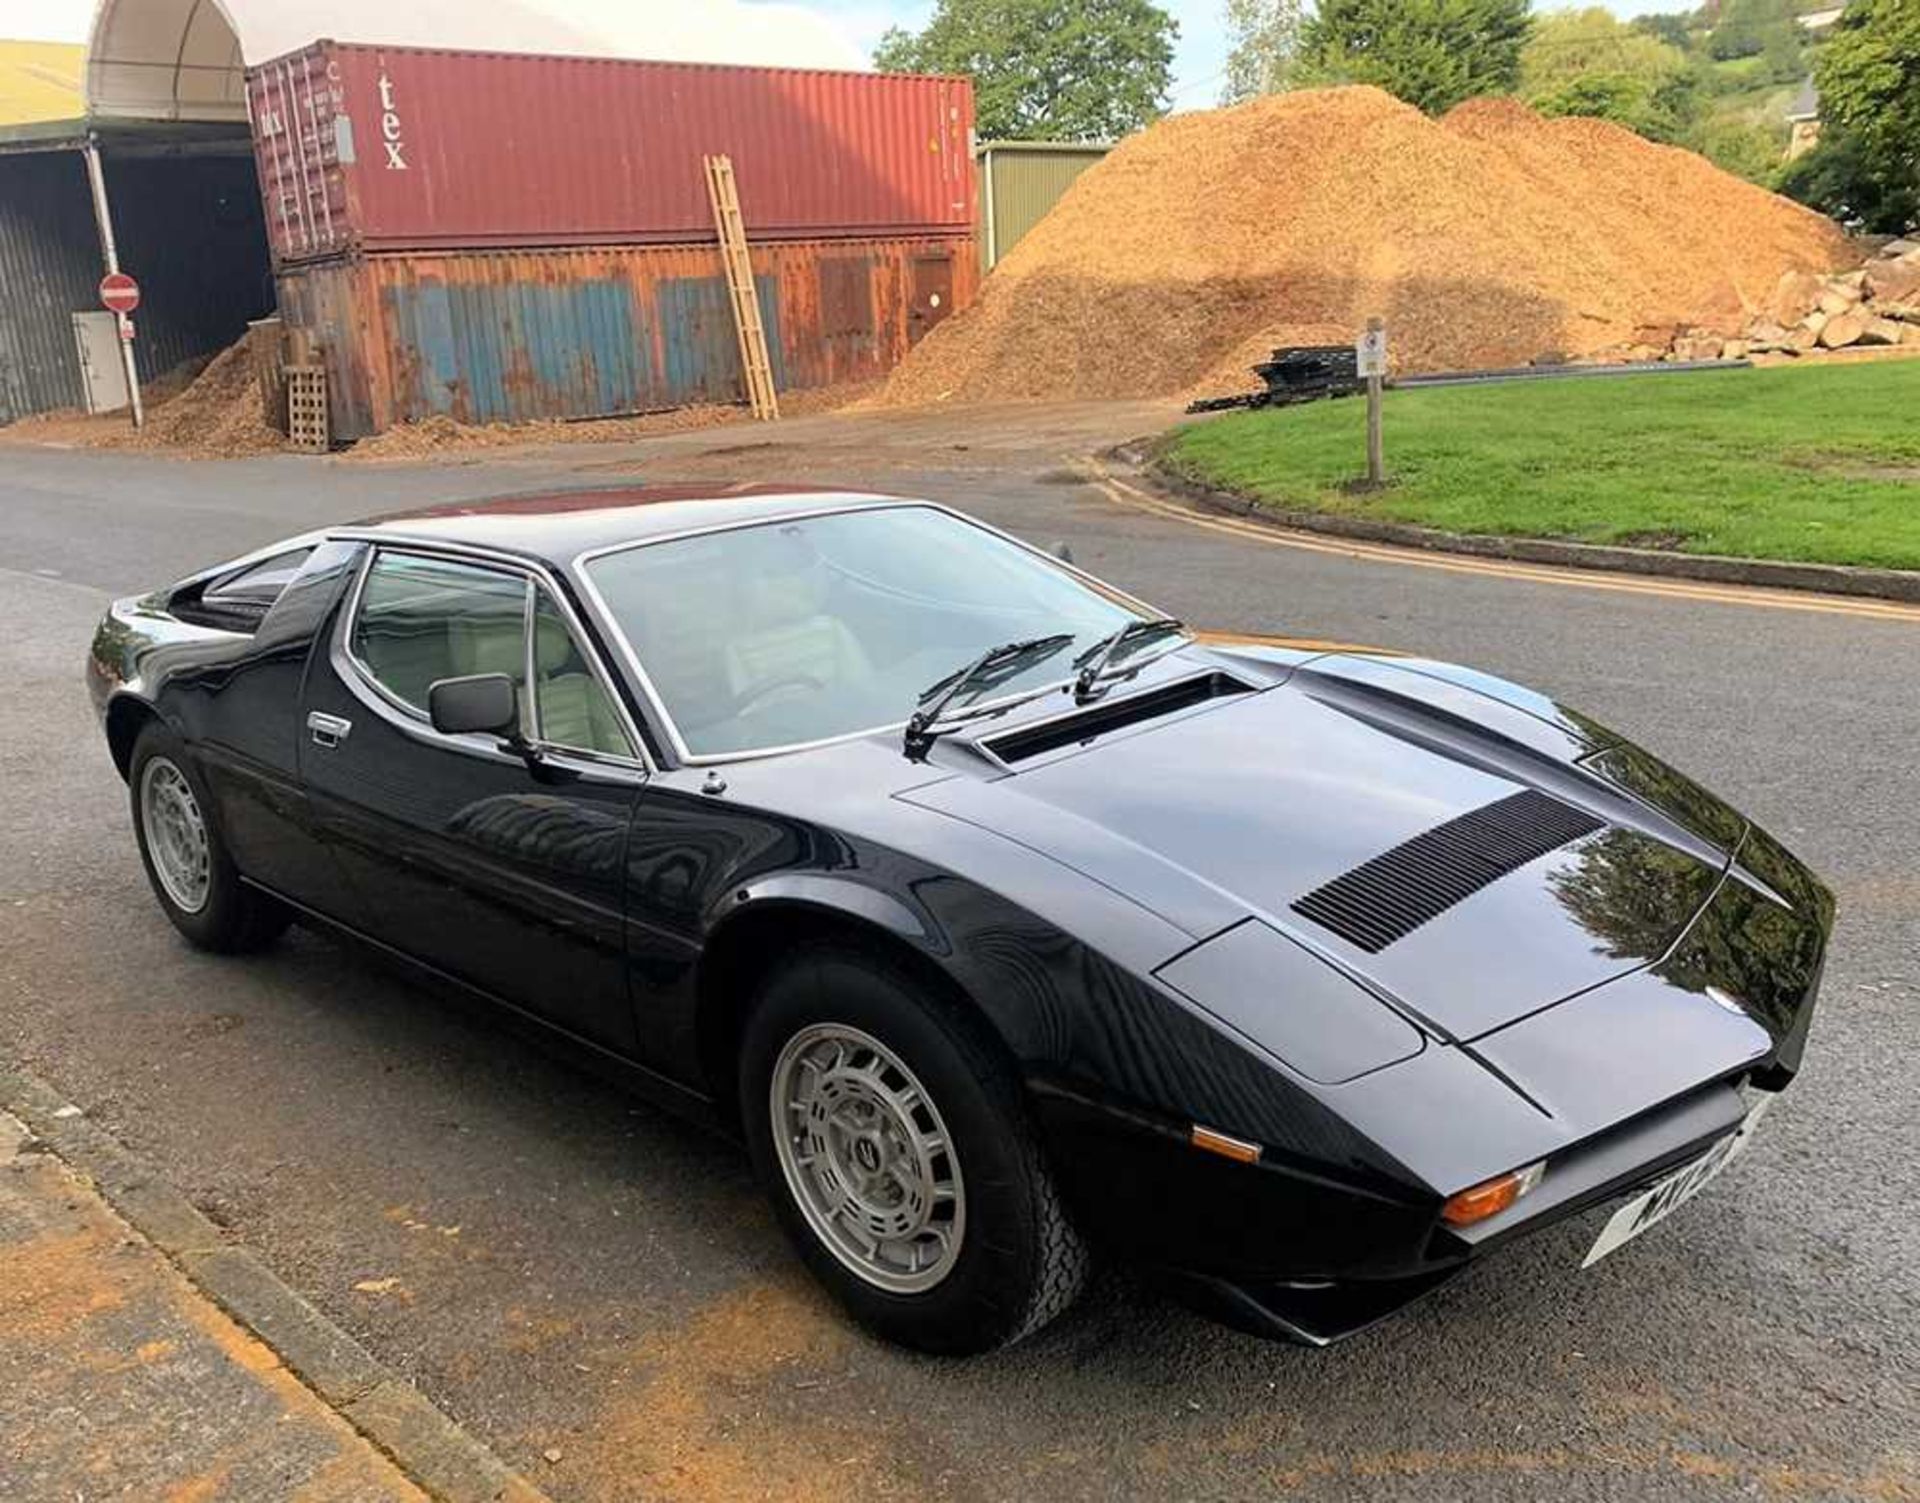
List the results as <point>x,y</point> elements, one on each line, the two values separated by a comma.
<point>185,59</point>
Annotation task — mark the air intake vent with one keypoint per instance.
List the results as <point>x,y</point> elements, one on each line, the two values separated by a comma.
<point>1388,897</point>
<point>1110,715</point>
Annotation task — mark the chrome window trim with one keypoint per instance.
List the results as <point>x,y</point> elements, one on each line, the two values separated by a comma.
<point>533,575</point>
<point>986,709</point>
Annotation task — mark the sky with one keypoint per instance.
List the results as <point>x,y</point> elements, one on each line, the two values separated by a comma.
<point>1198,63</point>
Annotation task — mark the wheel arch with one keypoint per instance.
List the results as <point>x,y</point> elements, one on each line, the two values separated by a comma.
<point>127,716</point>
<point>763,933</point>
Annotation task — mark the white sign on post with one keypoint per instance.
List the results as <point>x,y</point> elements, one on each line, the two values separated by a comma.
<point>1370,353</point>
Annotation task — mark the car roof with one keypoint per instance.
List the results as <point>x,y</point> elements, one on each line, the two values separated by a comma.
<point>556,527</point>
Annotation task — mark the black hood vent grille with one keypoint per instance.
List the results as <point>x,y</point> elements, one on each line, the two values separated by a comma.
<point>1389,896</point>
<point>1111,715</point>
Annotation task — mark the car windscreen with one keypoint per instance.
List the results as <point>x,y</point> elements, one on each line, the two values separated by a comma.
<point>800,630</point>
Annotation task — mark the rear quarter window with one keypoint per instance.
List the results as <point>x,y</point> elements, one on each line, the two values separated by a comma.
<point>238,601</point>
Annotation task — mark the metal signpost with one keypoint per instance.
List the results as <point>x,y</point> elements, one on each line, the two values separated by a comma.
<point>1370,361</point>
<point>118,292</point>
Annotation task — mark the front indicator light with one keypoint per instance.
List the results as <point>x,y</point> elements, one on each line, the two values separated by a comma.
<point>1237,1149</point>
<point>1491,1196</point>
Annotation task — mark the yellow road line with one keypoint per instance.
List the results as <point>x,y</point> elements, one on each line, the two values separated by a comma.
<point>1132,498</point>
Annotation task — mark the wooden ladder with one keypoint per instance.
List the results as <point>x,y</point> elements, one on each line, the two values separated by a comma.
<point>764,400</point>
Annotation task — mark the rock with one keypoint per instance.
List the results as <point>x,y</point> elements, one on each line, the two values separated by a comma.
<point>1734,349</point>
<point>1851,278</point>
<point>1840,332</point>
<point>1895,281</point>
<point>1801,341</point>
<point>1837,300</point>
<point>1765,331</point>
<point>1894,249</point>
<point>1881,331</point>
<point>1910,334</point>
<point>1642,354</point>
<point>1697,347</point>
<point>1793,295</point>
<point>1816,321</point>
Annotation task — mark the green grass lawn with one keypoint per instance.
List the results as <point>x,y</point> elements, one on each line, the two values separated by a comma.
<point>1814,463</point>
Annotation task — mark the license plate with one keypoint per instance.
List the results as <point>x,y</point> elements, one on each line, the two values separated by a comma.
<point>1654,1204</point>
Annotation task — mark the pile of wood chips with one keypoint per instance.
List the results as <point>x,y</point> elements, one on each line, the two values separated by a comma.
<point>1491,237</point>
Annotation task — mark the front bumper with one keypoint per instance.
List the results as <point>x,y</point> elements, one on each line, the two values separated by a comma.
<point>1318,1312</point>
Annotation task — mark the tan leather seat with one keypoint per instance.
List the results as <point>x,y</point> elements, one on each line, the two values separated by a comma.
<point>493,643</point>
<point>789,639</point>
<point>574,708</point>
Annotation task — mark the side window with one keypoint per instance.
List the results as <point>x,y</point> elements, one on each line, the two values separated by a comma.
<point>260,585</point>
<point>571,707</point>
<point>424,619</point>
<point>239,601</point>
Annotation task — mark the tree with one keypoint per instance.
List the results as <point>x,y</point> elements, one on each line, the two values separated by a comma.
<point>1584,62</point>
<point>1837,178</point>
<point>1431,53</point>
<point>1265,40</point>
<point>1070,70</point>
<point>1741,145</point>
<point>1758,28</point>
<point>1868,75</point>
<point>1676,30</point>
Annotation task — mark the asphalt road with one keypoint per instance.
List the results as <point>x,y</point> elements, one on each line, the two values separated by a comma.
<point>578,1273</point>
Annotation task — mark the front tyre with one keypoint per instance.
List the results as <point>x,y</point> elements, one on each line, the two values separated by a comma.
<point>192,875</point>
<point>896,1146</point>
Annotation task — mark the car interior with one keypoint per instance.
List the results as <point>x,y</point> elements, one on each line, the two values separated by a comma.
<point>422,620</point>
<point>777,635</point>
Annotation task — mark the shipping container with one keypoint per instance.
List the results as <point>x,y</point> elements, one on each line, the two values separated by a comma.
<point>509,336</point>
<point>392,148</point>
<point>1020,181</point>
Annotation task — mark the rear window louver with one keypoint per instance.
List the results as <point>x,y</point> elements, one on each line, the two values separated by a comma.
<point>1389,896</point>
<point>1111,715</point>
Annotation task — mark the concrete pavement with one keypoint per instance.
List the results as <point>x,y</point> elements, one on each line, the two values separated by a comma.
<point>562,1269</point>
<point>119,1378</point>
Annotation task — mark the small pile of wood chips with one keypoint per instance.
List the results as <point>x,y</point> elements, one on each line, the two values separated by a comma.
<point>1491,237</point>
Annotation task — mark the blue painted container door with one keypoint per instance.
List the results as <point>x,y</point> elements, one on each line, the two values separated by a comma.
<point>702,349</point>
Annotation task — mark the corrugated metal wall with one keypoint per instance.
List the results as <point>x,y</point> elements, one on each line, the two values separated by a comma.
<point>49,267</point>
<point>1019,182</point>
<point>189,230</point>
<point>507,336</point>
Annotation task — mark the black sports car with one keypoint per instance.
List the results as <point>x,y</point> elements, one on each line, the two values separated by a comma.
<point>996,912</point>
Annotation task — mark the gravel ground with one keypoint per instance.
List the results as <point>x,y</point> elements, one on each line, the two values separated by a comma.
<point>576,1273</point>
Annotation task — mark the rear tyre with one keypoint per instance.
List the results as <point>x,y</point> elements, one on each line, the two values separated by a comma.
<point>896,1146</point>
<point>193,877</point>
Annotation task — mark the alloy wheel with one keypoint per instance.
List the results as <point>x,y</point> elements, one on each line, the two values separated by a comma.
<point>176,833</point>
<point>870,1161</point>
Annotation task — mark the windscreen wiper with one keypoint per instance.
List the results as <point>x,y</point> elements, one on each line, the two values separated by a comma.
<point>1093,662</point>
<point>991,667</point>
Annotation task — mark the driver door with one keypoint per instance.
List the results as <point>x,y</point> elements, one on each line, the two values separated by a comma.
<point>505,872</point>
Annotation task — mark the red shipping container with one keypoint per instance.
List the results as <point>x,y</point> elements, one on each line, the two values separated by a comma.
<point>396,148</point>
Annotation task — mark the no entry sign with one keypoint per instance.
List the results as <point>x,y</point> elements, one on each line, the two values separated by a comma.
<point>119,292</point>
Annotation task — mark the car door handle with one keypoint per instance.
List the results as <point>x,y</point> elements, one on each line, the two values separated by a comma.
<point>327,730</point>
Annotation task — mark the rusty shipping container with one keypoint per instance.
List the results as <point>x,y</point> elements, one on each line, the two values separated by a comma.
<point>508,336</point>
<point>391,148</point>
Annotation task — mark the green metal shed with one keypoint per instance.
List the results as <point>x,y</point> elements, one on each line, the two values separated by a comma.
<point>1020,181</point>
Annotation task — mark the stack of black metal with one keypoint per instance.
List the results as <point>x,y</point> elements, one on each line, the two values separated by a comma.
<point>1296,373</point>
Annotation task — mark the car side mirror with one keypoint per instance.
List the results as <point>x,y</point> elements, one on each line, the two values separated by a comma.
<point>482,702</point>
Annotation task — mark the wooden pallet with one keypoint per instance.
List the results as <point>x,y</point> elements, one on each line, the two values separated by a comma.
<point>761,396</point>
<point>308,427</point>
